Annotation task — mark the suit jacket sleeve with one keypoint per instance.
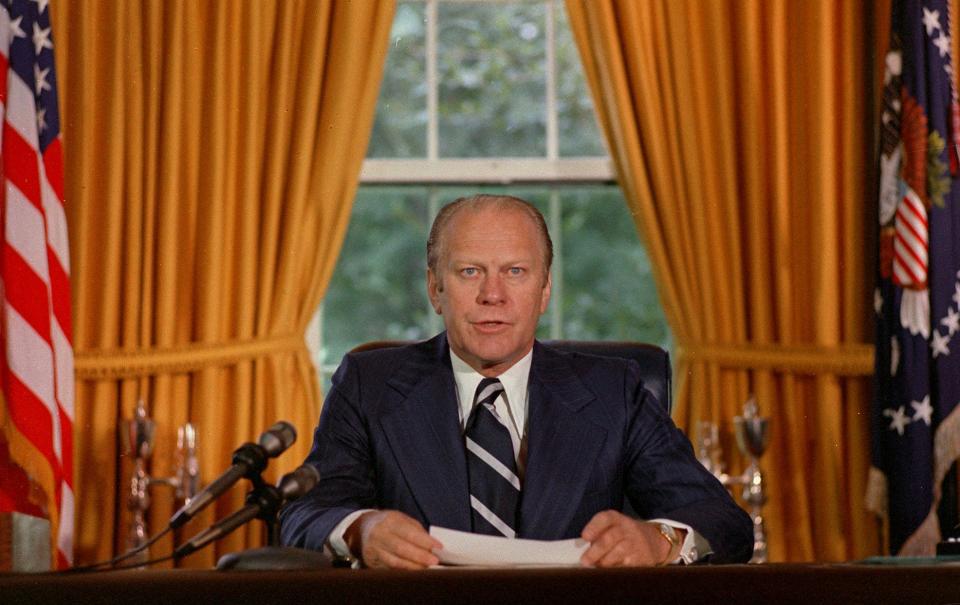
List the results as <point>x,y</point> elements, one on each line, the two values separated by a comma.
<point>341,454</point>
<point>665,480</point>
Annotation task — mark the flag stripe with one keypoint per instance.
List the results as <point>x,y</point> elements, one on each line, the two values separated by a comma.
<point>60,294</point>
<point>910,252</point>
<point>32,417</point>
<point>26,292</point>
<point>53,167</point>
<point>20,166</point>
<point>56,218</point>
<point>904,276</point>
<point>65,533</point>
<point>33,362</point>
<point>911,231</point>
<point>20,113</point>
<point>4,66</point>
<point>24,225</point>
<point>913,207</point>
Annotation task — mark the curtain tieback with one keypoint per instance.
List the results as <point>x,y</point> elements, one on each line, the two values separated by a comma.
<point>113,364</point>
<point>843,359</point>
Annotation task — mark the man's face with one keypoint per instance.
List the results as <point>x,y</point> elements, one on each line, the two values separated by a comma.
<point>490,286</point>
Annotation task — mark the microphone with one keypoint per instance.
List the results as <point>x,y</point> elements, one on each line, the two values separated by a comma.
<point>249,460</point>
<point>262,502</point>
<point>299,482</point>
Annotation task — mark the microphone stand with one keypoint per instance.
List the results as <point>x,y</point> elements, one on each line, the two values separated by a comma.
<point>273,556</point>
<point>268,500</point>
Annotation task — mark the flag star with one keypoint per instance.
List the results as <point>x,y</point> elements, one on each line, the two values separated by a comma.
<point>898,419</point>
<point>931,20</point>
<point>922,410</point>
<point>938,342</point>
<point>41,119</point>
<point>894,355</point>
<point>15,28</point>
<point>40,78</point>
<point>41,38</point>
<point>942,42</point>
<point>41,6</point>
<point>951,321</point>
<point>956,294</point>
<point>877,301</point>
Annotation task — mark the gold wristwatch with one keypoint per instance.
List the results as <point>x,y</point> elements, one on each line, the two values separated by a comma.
<point>670,535</point>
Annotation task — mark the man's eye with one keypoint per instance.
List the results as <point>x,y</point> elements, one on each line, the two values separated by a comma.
<point>516,270</point>
<point>468,271</point>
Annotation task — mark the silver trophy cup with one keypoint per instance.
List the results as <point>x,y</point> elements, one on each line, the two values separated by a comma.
<point>753,436</point>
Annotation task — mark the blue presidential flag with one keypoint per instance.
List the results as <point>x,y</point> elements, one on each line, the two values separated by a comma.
<point>916,422</point>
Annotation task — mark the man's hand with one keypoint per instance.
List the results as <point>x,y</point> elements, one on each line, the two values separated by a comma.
<point>389,538</point>
<point>616,540</point>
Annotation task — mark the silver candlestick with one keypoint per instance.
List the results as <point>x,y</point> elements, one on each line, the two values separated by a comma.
<point>752,433</point>
<point>138,440</point>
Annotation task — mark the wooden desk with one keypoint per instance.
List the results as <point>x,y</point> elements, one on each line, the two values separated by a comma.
<point>768,584</point>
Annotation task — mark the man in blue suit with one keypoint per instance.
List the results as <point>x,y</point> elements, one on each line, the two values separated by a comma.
<point>394,446</point>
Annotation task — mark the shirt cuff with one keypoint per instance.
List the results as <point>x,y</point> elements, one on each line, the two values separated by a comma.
<point>335,540</point>
<point>694,546</point>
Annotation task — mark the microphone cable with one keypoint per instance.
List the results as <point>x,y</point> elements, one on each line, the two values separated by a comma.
<point>111,563</point>
<point>144,564</point>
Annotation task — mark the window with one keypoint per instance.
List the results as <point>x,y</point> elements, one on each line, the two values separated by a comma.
<point>486,97</point>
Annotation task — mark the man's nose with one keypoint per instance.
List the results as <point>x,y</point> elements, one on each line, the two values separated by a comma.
<point>491,290</point>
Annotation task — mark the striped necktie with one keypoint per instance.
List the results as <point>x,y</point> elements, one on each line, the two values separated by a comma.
<point>492,467</point>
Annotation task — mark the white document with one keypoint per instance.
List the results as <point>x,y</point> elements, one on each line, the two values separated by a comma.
<point>462,548</point>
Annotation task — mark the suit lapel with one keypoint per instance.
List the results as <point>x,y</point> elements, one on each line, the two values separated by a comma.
<point>562,444</point>
<point>422,426</point>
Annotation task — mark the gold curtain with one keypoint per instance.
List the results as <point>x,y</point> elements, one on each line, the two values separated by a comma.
<point>739,130</point>
<point>212,155</point>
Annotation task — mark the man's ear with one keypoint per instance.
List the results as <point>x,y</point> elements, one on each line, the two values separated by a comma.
<point>434,287</point>
<point>545,294</point>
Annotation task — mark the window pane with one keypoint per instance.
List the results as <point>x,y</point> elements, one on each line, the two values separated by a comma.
<point>579,135</point>
<point>400,126</point>
<point>491,60</point>
<point>378,289</point>
<point>608,289</point>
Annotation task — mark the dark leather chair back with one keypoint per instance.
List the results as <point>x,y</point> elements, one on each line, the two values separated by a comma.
<point>654,361</point>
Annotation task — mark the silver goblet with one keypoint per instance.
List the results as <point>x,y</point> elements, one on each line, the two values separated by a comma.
<point>753,436</point>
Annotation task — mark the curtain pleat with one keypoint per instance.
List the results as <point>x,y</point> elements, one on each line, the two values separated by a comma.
<point>212,155</point>
<point>737,131</point>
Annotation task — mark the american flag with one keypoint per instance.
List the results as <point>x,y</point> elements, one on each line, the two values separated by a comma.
<point>916,417</point>
<point>36,356</point>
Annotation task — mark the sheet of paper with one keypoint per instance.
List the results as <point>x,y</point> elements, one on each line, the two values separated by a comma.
<point>462,548</point>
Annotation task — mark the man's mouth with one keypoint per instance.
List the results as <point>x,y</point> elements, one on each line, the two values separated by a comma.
<point>490,325</point>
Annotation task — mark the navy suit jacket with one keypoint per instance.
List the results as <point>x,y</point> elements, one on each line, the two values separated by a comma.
<point>390,437</point>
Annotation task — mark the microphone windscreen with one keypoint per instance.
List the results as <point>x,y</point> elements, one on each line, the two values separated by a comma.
<point>299,482</point>
<point>276,439</point>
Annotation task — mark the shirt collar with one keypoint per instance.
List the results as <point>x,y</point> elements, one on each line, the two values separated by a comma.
<point>515,381</point>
